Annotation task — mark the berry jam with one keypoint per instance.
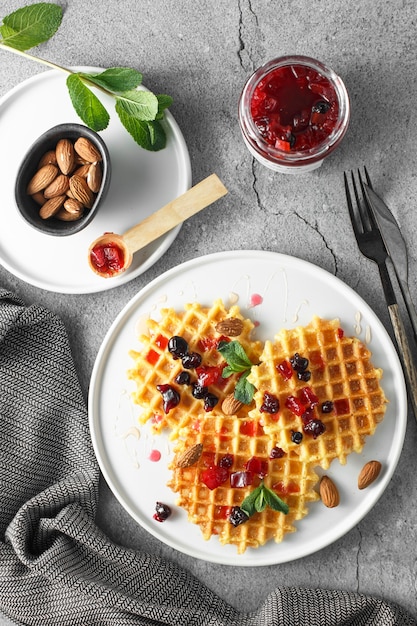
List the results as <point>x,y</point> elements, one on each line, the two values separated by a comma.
<point>293,111</point>
<point>294,108</point>
<point>107,259</point>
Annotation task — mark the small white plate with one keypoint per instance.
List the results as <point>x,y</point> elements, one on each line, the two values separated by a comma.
<point>290,292</point>
<point>141,183</point>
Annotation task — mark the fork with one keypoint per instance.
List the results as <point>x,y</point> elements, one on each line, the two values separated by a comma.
<point>372,246</point>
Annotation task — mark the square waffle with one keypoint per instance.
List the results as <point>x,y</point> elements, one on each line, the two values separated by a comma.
<point>230,443</point>
<point>339,378</point>
<point>154,365</point>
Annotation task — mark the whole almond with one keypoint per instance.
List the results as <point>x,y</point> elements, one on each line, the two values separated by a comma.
<point>368,474</point>
<point>94,177</point>
<point>87,150</point>
<point>329,493</point>
<point>73,206</point>
<point>81,191</point>
<point>230,405</point>
<point>42,178</point>
<point>51,207</point>
<point>230,326</point>
<point>48,157</point>
<point>190,456</point>
<point>58,187</point>
<point>66,216</point>
<point>65,155</point>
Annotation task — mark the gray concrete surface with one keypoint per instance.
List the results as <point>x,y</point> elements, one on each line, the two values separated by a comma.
<point>201,53</point>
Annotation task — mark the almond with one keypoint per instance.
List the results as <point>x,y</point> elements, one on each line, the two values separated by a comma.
<point>51,207</point>
<point>58,187</point>
<point>189,457</point>
<point>42,178</point>
<point>73,206</point>
<point>328,492</point>
<point>39,198</point>
<point>65,155</point>
<point>230,405</point>
<point>230,326</point>
<point>87,150</point>
<point>66,216</point>
<point>94,177</point>
<point>83,170</point>
<point>48,157</point>
<point>81,191</point>
<point>368,474</point>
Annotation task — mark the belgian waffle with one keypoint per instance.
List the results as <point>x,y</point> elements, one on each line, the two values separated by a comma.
<point>154,365</point>
<point>341,373</point>
<point>243,439</point>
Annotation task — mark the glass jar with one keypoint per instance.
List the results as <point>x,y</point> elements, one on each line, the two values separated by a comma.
<point>293,112</point>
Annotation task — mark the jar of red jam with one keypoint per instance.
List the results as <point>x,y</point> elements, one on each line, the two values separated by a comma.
<point>293,112</point>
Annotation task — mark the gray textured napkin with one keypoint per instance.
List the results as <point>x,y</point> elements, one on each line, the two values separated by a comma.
<point>56,566</point>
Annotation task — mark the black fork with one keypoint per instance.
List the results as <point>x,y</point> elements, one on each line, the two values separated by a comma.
<point>371,244</point>
<point>367,233</point>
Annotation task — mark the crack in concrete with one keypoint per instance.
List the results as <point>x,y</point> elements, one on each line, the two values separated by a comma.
<point>243,6</point>
<point>323,238</point>
<point>254,181</point>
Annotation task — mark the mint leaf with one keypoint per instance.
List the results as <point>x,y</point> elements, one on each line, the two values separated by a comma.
<point>248,504</point>
<point>244,390</point>
<point>235,356</point>
<point>274,501</point>
<point>260,502</point>
<point>86,104</point>
<point>116,79</point>
<point>142,105</point>
<point>164,102</point>
<point>260,498</point>
<point>148,134</point>
<point>29,26</point>
<point>237,363</point>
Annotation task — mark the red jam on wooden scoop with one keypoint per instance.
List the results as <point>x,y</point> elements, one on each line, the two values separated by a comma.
<point>109,256</point>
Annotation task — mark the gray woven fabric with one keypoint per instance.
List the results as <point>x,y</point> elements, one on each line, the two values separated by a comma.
<point>56,566</point>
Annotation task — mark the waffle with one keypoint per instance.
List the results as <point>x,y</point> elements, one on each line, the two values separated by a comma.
<point>341,372</point>
<point>222,436</point>
<point>154,365</point>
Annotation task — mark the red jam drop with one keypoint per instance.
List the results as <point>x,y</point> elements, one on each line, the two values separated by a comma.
<point>107,259</point>
<point>154,456</point>
<point>255,300</point>
<point>294,108</point>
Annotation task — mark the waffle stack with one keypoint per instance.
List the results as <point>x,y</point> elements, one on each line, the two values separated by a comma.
<point>236,448</point>
<point>339,389</point>
<point>317,397</point>
<point>154,365</point>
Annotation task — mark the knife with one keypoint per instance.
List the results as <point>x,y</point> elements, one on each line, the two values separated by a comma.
<point>396,248</point>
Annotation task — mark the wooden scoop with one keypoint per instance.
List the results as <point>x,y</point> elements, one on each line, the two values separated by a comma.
<point>111,254</point>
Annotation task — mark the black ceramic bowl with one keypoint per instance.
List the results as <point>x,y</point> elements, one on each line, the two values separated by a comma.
<point>29,209</point>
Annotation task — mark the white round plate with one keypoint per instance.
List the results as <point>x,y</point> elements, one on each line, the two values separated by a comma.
<point>292,291</point>
<point>141,183</point>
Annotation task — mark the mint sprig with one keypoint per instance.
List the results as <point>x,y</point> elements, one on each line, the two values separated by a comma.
<point>140,111</point>
<point>260,498</point>
<point>238,362</point>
